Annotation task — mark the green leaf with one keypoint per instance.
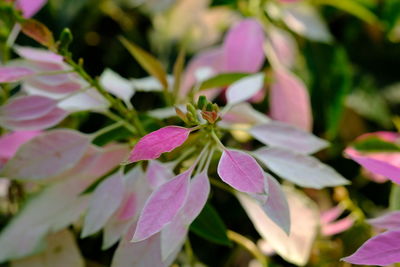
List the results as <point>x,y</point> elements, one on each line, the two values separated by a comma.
<point>222,80</point>
<point>394,198</point>
<point>147,61</point>
<point>210,226</point>
<point>375,144</point>
<point>352,7</point>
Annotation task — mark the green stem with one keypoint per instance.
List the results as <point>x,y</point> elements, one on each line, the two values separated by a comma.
<point>189,252</point>
<point>107,129</point>
<point>217,141</point>
<point>132,114</point>
<point>221,186</point>
<point>116,118</point>
<point>249,246</point>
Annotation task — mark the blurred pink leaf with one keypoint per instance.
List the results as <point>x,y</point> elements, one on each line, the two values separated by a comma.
<point>47,155</point>
<point>277,207</point>
<point>300,169</point>
<point>162,206</point>
<point>10,143</point>
<point>14,74</point>
<point>376,166</point>
<point>382,250</point>
<point>26,108</point>
<point>105,201</point>
<point>61,251</point>
<point>37,54</point>
<point>241,171</point>
<point>283,46</point>
<point>117,85</point>
<point>387,221</point>
<point>155,143</point>
<point>332,214</point>
<point>158,173</point>
<point>243,47</point>
<point>174,233</point>
<point>244,89</point>
<point>296,247</point>
<point>30,7</point>
<point>289,100</point>
<point>338,226</point>
<point>278,134</point>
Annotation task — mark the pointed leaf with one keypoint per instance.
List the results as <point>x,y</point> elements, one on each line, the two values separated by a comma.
<point>222,80</point>
<point>26,108</point>
<point>174,234</point>
<point>243,47</point>
<point>163,140</point>
<point>210,226</point>
<point>241,171</point>
<point>158,173</point>
<point>277,207</point>
<point>289,100</point>
<point>162,206</point>
<point>278,134</point>
<point>47,155</point>
<point>245,88</point>
<point>300,169</point>
<point>382,250</point>
<point>147,61</point>
<point>10,143</point>
<point>117,85</point>
<point>38,32</point>
<point>14,74</point>
<point>104,202</point>
<point>283,46</point>
<point>30,7</point>
<point>38,55</point>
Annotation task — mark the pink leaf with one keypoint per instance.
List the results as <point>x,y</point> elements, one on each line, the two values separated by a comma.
<point>11,142</point>
<point>47,155</point>
<point>174,233</point>
<point>241,171</point>
<point>158,173</point>
<point>163,140</point>
<point>277,207</point>
<point>105,201</point>
<point>388,221</point>
<point>14,74</point>
<point>289,100</point>
<point>331,214</point>
<point>278,134</point>
<point>162,206</point>
<point>30,7</point>
<point>375,166</point>
<point>244,89</point>
<point>52,118</point>
<point>382,250</point>
<point>243,47</point>
<point>36,54</point>
<point>337,226</point>
<point>283,46</point>
<point>27,108</point>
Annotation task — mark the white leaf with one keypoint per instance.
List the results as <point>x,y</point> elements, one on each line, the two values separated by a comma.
<point>245,88</point>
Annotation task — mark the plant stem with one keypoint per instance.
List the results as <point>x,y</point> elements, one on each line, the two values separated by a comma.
<point>116,118</point>
<point>249,246</point>
<point>132,114</point>
<point>221,186</point>
<point>104,130</point>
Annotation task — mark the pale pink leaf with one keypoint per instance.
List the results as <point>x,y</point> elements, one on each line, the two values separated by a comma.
<point>47,155</point>
<point>14,74</point>
<point>338,226</point>
<point>375,166</point>
<point>117,85</point>
<point>306,21</point>
<point>27,108</point>
<point>37,54</point>
<point>174,233</point>
<point>163,140</point>
<point>10,143</point>
<point>388,221</point>
<point>283,46</point>
<point>51,119</point>
<point>162,206</point>
<point>245,88</point>
<point>332,214</point>
<point>105,201</point>
<point>296,247</point>
<point>244,113</point>
<point>277,207</point>
<point>382,250</point>
<point>241,171</point>
<point>278,134</point>
<point>243,47</point>
<point>62,88</point>
<point>158,173</point>
<point>30,7</point>
<point>300,169</point>
<point>61,251</point>
<point>289,100</point>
